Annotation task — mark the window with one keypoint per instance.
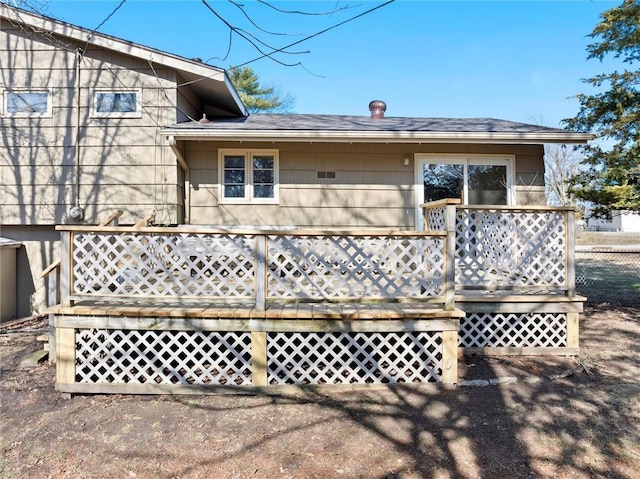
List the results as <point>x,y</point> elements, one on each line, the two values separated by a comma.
<point>121,104</point>
<point>248,176</point>
<point>27,103</point>
<point>476,181</point>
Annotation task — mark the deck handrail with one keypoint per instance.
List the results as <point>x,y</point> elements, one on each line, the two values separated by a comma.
<point>517,248</point>
<point>253,265</point>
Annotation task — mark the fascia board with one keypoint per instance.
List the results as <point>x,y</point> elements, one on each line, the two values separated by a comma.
<point>234,94</point>
<point>378,137</point>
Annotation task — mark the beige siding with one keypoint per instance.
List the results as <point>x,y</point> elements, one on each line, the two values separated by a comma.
<point>531,195</point>
<point>124,162</point>
<point>372,187</point>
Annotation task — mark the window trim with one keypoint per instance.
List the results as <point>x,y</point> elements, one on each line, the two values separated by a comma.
<point>27,114</point>
<point>249,154</point>
<point>465,160</point>
<point>116,114</point>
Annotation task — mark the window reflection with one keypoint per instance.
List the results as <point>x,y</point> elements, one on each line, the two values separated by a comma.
<point>487,185</point>
<point>443,181</point>
<point>116,102</point>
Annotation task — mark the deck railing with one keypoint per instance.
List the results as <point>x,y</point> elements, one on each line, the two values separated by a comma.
<point>525,248</point>
<point>261,266</point>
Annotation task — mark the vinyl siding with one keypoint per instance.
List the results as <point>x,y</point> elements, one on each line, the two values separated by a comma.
<point>372,187</point>
<point>124,163</point>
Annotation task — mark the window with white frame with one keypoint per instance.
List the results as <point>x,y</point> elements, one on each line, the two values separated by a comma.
<point>27,103</point>
<point>248,176</point>
<point>121,104</point>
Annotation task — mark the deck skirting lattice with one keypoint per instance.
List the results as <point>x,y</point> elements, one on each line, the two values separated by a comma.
<point>517,330</point>
<point>354,358</point>
<point>162,357</point>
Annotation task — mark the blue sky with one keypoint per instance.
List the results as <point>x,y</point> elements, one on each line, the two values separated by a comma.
<point>514,60</point>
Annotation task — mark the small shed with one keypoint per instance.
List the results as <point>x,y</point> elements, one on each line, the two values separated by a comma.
<point>8,279</point>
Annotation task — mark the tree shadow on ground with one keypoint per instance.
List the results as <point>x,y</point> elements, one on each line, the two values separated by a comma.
<point>581,425</point>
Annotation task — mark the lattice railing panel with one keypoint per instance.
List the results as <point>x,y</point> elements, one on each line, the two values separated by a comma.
<point>371,266</point>
<point>482,330</point>
<point>162,357</point>
<point>510,248</point>
<point>435,219</point>
<point>350,358</point>
<point>148,264</point>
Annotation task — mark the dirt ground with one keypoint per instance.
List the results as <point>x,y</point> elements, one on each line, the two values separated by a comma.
<point>562,418</point>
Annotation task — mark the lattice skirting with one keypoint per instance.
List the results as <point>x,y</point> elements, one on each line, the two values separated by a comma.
<point>517,330</point>
<point>163,357</point>
<point>129,357</point>
<point>354,358</point>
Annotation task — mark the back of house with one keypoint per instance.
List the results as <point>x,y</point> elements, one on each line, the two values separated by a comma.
<point>92,124</point>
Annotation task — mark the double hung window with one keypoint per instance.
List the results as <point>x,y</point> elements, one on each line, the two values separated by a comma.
<point>248,176</point>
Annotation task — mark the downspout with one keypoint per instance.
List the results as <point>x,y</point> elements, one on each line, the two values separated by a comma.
<point>179,153</point>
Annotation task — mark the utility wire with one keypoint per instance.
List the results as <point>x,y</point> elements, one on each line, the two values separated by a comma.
<point>269,55</point>
<point>84,49</point>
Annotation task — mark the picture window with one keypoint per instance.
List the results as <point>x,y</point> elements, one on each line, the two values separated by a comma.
<point>120,104</point>
<point>27,103</point>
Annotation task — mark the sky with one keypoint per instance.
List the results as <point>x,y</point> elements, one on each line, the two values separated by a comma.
<point>514,60</point>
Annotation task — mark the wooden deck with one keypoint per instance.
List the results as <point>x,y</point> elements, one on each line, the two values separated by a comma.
<point>187,310</point>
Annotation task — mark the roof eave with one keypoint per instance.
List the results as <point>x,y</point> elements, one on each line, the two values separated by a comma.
<point>321,136</point>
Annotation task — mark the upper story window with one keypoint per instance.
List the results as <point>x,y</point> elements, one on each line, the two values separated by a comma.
<point>120,104</point>
<point>27,103</point>
<point>248,176</point>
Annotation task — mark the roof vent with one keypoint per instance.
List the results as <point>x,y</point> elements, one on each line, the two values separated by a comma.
<point>204,119</point>
<point>197,59</point>
<point>377,109</point>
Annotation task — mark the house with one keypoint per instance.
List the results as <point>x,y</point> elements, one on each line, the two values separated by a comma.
<point>93,124</point>
<point>80,115</point>
<point>618,221</point>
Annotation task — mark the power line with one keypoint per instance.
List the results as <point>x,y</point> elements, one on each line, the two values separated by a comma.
<point>122,2</point>
<point>269,55</point>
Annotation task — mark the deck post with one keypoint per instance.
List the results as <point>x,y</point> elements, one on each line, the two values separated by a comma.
<point>66,349</point>
<point>449,357</point>
<point>571,252</point>
<point>259,358</point>
<point>261,272</point>
<point>573,328</point>
<point>450,258</point>
<point>53,280</point>
<point>66,268</point>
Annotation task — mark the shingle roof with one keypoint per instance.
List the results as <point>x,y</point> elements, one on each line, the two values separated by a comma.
<point>297,126</point>
<point>364,123</point>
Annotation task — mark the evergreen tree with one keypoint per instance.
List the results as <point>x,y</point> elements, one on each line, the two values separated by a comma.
<point>257,98</point>
<point>611,178</point>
